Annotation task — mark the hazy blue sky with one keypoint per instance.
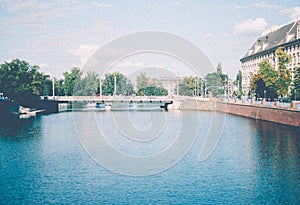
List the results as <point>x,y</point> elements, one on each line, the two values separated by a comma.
<point>57,35</point>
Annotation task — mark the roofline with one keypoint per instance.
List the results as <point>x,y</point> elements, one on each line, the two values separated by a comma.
<point>271,49</point>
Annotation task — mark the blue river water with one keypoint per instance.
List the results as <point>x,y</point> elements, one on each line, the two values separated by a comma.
<point>42,161</point>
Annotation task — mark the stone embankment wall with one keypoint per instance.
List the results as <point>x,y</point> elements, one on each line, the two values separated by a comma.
<point>190,104</point>
<point>272,114</point>
<point>260,112</point>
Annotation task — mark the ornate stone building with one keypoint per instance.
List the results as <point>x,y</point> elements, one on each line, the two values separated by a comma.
<point>287,36</point>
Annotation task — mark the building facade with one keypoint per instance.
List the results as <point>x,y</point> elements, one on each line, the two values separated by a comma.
<point>287,37</point>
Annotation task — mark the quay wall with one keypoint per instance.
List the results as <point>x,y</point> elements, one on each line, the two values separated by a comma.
<point>271,114</point>
<point>191,104</point>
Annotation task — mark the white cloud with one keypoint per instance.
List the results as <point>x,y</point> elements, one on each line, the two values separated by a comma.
<point>210,35</point>
<point>234,7</point>
<point>44,65</point>
<point>263,4</point>
<point>293,13</point>
<point>102,5</point>
<point>177,3</point>
<point>272,29</point>
<point>250,26</point>
<point>125,64</point>
<point>84,52</point>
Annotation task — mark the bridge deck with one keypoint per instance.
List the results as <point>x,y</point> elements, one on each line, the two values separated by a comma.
<point>105,99</point>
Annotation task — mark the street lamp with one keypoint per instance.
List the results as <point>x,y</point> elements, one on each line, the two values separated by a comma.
<point>100,87</point>
<point>295,94</point>
<point>265,92</point>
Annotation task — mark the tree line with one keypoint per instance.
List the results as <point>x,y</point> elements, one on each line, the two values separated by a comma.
<point>22,82</point>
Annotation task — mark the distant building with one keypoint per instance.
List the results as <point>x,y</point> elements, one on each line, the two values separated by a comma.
<point>287,36</point>
<point>170,84</point>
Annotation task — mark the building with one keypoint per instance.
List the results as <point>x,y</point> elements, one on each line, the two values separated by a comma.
<point>171,84</point>
<point>287,37</point>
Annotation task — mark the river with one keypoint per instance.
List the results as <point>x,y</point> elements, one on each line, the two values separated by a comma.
<point>46,160</point>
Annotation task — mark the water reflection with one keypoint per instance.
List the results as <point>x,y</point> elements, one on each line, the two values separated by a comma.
<point>15,128</point>
<point>255,162</point>
<point>277,149</point>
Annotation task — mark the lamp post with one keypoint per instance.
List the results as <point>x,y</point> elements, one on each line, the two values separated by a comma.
<point>295,94</point>
<point>265,92</point>
<point>100,87</point>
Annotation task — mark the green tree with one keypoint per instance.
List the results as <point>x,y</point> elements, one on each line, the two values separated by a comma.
<point>265,81</point>
<point>285,78</point>
<point>142,81</point>
<point>214,84</point>
<point>22,82</point>
<point>88,85</point>
<point>153,90</point>
<point>149,86</point>
<point>190,86</point>
<point>238,83</point>
<point>224,77</point>
<point>123,84</point>
<point>71,80</point>
<point>296,89</point>
<point>59,87</point>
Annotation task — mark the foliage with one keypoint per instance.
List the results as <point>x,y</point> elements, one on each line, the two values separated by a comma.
<point>190,86</point>
<point>238,83</point>
<point>224,77</point>
<point>59,87</point>
<point>274,83</point>
<point>149,86</point>
<point>142,81</point>
<point>265,81</point>
<point>123,84</point>
<point>88,85</point>
<point>296,88</point>
<point>284,80</point>
<point>22,82</point>
<point>71,80</point>
<point>214,84</point>
<point>153,90</point>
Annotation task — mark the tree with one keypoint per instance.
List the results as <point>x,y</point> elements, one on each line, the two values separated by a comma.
<point>265,81</point>
<point>224,77</point>
<point>284,80</point>
<point>149,86</point>
<point>238,83</point>
<point>152,90</point>
<point>190,86</point>
<point>296,89</point>
<point>22,82</point>
<point>142,81</point>
<point>71,80</point>
<point>214,84</point>
<point>123,84</point>
<point>88,85</point>
<point>59,87</point>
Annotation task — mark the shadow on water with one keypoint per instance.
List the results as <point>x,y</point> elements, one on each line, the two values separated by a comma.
<point>278,162</point>
<point>14,128</point>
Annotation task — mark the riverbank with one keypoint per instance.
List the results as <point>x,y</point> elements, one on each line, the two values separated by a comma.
<point>275,113</point>
<point>272,114</point>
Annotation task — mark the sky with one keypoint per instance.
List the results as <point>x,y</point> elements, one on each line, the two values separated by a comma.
<point>58,35</point>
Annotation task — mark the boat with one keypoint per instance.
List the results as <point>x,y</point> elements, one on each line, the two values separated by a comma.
<point>103,106</point>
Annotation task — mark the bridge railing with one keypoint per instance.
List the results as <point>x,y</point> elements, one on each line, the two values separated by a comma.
<point>97,98</point>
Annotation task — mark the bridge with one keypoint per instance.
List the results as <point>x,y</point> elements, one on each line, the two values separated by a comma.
<point>162,101</point>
